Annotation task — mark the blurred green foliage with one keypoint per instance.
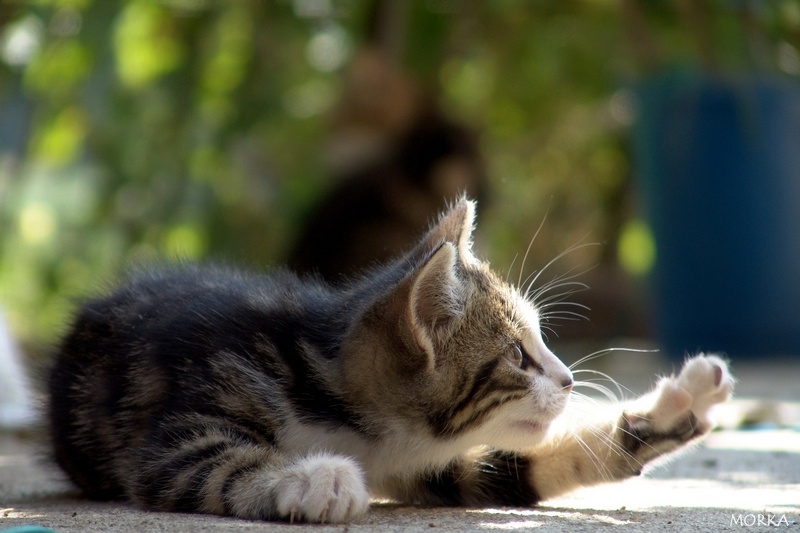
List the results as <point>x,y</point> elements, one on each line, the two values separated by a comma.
<point>137,129</point>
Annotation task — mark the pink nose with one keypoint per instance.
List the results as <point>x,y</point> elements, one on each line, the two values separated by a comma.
<point>566,384</point>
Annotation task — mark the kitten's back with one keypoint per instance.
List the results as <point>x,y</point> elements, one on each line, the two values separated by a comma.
<point>135,357</point>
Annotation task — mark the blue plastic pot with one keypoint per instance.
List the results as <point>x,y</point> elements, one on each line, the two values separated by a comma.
<point>718,164</point>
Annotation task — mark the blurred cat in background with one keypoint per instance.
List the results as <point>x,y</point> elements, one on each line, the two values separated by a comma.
<point>396,158</point>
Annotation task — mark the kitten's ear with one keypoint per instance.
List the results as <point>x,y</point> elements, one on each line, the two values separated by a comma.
<point>455,226</point>
<point>437,298</point>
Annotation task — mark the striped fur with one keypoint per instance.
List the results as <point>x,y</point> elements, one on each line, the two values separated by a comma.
<point>210,390</point>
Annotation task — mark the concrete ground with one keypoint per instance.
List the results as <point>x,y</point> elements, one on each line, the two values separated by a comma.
<point>746,476</point>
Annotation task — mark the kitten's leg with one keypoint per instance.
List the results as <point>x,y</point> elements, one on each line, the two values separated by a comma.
<point>661,422</point>
<point>674,414</point>
<point>223,471</point>
<point>320,488</point>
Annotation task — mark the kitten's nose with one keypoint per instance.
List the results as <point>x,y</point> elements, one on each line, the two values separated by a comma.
<point>567,383</point>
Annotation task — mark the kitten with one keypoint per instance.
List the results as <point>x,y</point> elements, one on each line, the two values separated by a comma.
<point>272,397</point>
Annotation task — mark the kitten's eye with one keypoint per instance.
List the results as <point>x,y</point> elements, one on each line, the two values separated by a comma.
<point>515,355</point>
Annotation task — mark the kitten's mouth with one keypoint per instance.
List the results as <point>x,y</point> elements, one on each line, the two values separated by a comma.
<point>530,426</point>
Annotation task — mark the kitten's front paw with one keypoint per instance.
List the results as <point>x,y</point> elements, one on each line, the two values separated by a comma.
<point>322,488</point>
<point>703,382</point>
<point>677,411</point>
<point>708,380</point>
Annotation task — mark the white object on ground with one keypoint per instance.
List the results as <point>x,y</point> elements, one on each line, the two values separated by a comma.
<point>16,403</point>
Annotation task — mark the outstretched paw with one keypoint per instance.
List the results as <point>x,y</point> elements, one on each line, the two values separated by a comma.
<point>678,410</point>
<point>321,489</point>
<point>703,382</point>
<point>709,382</point>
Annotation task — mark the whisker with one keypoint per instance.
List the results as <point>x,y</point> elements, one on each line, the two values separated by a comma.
<point>648,445</point>
<point>530,244</point>
<point>552,284</point>
<point>574,288</point>
<point>560,303</point>
<point>611,380</point>
<point>608,438</point>
<point>544,328</point>
<point>606,351</point>
<point>585,399</point>
<point>562,316</point>
<point>594,458</point>
<point>596,454</point>
<point>605,438</point>
<point>511,266</point>
<point>602,389</point>
<point>547,294</point>
<point>550,263</point>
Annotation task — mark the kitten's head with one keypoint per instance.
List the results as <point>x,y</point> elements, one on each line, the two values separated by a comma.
<point>453,350</point>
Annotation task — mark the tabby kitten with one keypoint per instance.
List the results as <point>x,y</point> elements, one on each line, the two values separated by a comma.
<point>427,382</point>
